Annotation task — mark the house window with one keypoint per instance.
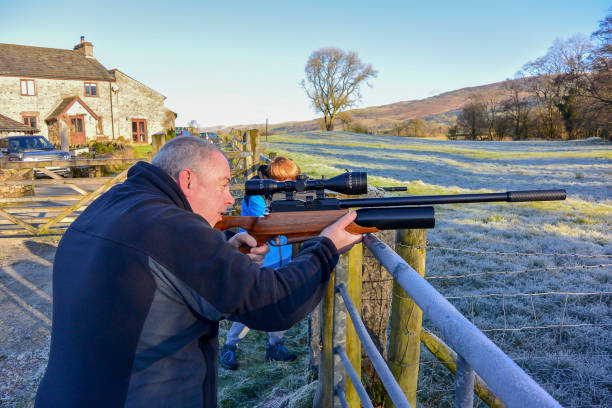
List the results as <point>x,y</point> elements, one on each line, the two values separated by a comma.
<point>99,127</point>
<point>91,89</point>
<point>139,131</point>
<point>30,121</point>
<point>28,87</point>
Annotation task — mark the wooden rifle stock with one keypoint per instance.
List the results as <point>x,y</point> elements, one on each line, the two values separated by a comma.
<point>296,226</point>
<point>299,226</point>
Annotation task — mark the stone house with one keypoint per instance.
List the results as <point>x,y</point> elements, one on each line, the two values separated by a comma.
<point>68,92</point>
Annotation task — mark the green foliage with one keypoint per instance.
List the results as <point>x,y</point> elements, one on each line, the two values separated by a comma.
<point>102,148</point>
<point>170,134</point>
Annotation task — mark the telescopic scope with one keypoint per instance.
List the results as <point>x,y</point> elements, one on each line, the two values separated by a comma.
<point>347,183</point>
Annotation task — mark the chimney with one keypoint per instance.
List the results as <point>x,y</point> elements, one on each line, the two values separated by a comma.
<point>85,48</point>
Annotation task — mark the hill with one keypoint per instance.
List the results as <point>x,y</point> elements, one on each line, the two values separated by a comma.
<point>439,109</point>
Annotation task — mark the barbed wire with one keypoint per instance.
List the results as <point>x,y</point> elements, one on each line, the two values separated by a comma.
<point>542,269</point>
<point>473,251</point>
<point>601,293</point>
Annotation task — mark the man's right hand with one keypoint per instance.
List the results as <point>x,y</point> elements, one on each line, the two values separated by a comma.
<point>342,239</point>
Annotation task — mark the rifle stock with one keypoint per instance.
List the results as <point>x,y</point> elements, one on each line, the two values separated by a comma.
<point>299,226</point>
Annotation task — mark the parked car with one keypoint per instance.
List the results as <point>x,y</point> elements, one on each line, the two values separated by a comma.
<point>180,132</point>
<point>211,137</point>
<point>32,148</point>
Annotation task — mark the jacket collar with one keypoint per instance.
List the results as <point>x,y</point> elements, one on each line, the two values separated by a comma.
<point>145,174</point>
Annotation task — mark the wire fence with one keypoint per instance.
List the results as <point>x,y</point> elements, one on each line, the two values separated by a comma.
<point>553,319</point>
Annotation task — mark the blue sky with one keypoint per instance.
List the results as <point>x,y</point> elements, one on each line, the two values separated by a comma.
<point>239,62</point>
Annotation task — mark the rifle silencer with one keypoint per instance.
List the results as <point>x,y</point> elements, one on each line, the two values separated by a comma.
<point>536,195</point>
<point>396,217</point>
<point>347,183</point>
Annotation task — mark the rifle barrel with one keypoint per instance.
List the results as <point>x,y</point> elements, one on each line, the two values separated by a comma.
<point>508,196</point>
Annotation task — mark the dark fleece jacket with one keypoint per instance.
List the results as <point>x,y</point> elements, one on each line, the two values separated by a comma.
<point>140,283</point>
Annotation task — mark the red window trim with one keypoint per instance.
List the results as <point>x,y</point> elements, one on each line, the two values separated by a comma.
<point>21,81</point>
<point>34,115</point>
<point>85,89</point>
<point>138,132</point>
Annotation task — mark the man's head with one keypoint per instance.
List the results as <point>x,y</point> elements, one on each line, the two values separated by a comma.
<point>283,169</point>
<point>202,173</point>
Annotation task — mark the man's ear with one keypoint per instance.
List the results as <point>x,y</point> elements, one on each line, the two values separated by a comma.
<point>185,178</point>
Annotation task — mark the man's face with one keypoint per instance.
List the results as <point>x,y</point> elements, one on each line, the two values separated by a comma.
<point>207,188</point>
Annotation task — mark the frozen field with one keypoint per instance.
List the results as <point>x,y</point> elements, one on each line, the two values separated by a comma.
<point>536,277</point>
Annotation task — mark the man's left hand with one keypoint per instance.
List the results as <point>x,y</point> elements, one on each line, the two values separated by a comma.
<point>257,253</point>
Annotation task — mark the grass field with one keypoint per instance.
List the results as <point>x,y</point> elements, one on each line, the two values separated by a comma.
<point>536,277</point>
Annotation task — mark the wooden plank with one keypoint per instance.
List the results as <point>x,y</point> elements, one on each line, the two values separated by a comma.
<point>48,173</point>
<point>19,222</point>
<point>448,358</point>
<point>324,395</point>
<point>37,199</point>
<point>406,319</point>
<point>58,177</point>
<point>46,182</point>
<point>353,344</point>
<point>85,199</point>
<point>52,231</point>
<point>69,163</point>
<point>237,155</point>
<point>37,220</point>
<point>41,209</point>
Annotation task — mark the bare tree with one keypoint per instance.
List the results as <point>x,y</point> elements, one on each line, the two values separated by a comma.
<point>333,81</point>
<point>416,127</point>
<point>472,120</point>
<point>346,119</point>
<point>516,106</point>
<point>553,82</point>
<point>194,127</point>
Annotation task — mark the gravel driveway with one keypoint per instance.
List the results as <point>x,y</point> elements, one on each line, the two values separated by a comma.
<point>25,316</point>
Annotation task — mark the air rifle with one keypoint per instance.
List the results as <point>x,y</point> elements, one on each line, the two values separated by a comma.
<point>302,219</point>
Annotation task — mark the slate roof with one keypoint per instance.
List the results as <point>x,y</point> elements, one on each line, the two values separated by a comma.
<point>9,125</point>
<point>39,62</point>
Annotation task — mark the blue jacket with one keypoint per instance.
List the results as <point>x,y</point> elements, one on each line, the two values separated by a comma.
<point>140,283</point>
<point>278,255</point>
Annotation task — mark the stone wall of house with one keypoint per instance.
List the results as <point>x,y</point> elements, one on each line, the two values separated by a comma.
<point>49,94</point>
<point>134,100</point>
<point>130,100</point>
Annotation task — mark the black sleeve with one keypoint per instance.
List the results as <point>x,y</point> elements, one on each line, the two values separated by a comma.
<point>217,281</point>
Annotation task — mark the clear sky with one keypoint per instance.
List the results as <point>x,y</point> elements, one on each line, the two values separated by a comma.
<point>239,62</point>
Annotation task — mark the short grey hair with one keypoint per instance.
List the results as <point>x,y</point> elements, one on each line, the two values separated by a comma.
<point>183,152</point>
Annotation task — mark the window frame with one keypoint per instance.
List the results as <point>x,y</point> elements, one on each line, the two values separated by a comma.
<point>26,80</point>
<point>138,135</point>
<point>90,83</point>
<point>30,115</point>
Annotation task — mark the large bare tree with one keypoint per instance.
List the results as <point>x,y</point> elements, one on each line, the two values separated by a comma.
<point>333,81</point>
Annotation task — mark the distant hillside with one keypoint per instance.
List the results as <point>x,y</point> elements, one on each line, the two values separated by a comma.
<point>442,108</point>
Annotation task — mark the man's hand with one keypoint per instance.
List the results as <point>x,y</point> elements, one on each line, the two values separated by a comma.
<point>257,254</point>
<point>336,232</point>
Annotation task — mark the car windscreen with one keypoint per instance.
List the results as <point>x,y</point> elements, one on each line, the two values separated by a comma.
<point>24,144</point>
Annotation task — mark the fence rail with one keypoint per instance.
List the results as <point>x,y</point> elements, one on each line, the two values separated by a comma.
<point>479,365</point>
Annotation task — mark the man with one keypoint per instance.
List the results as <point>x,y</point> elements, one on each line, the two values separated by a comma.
<point>141,280</point>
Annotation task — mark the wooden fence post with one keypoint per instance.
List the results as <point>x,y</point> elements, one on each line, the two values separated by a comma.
<point>353,345</point>
<point>406,318</point>
<point>324,393</point>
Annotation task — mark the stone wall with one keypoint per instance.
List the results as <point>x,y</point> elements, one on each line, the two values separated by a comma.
<point>131,100</point>
<point>135,100</point>
<point>49,94</point>
<point>17,190</point>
